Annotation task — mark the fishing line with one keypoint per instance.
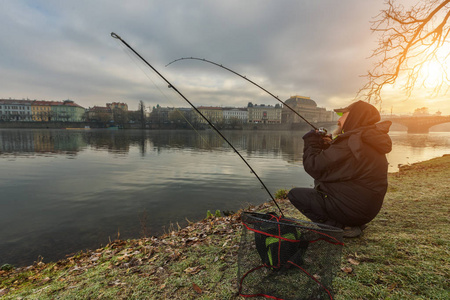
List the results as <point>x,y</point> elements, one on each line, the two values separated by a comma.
<point>251,81</point>
<point>126,50</point>
<point>114,35</point>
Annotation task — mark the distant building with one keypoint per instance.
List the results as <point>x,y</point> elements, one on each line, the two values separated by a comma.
<point>233,114</point>
<point>212,113</point>
<point>160,115</point>
<point>119,105</point>
<point>15,110</point>
<point>421,112</point>
<point>41,110</point>
<point>307,108</point>
<point>99,114</point>
<point>265,114</point>
<point>66,111</point>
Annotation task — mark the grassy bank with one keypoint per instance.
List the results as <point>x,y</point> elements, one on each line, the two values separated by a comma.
<point>404,254</point>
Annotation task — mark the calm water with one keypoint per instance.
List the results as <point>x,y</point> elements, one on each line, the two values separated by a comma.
<point>62,191</point>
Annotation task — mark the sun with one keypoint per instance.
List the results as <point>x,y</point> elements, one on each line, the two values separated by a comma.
<point>433,73</point>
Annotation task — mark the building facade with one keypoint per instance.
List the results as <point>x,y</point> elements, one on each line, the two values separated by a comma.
<point>307,108</point>
<point>99,114</point>
<point>15,110</point>
<point>213,114</point>
<point>67,111</point>
<point>117,105</point>
<point>235,115</point>
<point>41,111</point>
<point>265,114</point>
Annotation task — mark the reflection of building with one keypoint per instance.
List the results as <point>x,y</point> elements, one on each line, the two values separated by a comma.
<point>307,108</point>
<point>16,141</point>
<point>266,114</point>
<point>40,141</point>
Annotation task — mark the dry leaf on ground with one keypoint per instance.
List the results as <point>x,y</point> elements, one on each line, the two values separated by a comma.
<point>197,288</point>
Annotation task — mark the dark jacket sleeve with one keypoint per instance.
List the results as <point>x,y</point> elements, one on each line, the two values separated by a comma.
<point>322,164</point>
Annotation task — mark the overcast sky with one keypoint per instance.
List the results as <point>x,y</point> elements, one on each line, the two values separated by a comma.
<point>57,50</point>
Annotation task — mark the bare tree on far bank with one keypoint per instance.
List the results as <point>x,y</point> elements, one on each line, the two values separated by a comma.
<point>142,114</point>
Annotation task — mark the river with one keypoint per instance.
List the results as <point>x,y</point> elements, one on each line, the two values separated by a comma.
<point>62,191</point>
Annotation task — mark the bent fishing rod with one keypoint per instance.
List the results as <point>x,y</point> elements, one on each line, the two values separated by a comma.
<point>321,130</point>
<point>114,35</point>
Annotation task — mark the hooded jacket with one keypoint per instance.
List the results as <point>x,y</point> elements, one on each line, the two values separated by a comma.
<point>353,169</point>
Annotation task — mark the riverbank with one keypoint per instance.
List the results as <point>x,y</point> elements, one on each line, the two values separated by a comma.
<point>402,255</point>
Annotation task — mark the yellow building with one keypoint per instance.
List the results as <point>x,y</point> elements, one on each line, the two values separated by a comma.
<point>213,114</point>
<point>120,105</point>
<point>40,110</point>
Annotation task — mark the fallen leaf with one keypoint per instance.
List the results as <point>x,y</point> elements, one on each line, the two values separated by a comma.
<point>153,258</point>
<point>347,270</point>
<point>46,279</point>
<point>124,257</point>
<point>193,270</point>
<point>197,288</point>
<point>353,261</point>
<point>4,292</point>
<point>114,283</point>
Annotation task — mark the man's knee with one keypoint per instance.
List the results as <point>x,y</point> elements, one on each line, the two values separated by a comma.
<point>300,198</point>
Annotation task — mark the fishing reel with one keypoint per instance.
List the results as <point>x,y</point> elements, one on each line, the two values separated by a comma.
<point>322,131</point>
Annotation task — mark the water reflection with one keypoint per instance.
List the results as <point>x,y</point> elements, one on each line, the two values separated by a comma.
<point>288,145</point>
<point>412,148</point>
<point>32,142</point>
<point>67,190</point>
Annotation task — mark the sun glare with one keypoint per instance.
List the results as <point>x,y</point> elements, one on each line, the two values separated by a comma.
<point>435,71</point>
<point>433,74</point>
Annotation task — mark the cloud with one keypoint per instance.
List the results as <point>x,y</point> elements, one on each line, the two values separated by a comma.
<point>62,49</point>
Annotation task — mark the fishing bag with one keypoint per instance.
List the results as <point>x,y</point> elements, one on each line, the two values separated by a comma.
<point>284,258</point>
<point>276,242</point>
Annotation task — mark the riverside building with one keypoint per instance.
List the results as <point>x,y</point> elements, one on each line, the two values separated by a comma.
<point>264,114</point>
<point>307,108</point>
<point>12,110</point>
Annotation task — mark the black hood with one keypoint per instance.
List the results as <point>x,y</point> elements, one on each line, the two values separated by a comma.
<point>375,136</point>
<point>361,114</point>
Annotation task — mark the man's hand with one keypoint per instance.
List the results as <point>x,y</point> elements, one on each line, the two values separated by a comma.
<point>314,139</point>
<point>312,134</point>
<point>327,138</point>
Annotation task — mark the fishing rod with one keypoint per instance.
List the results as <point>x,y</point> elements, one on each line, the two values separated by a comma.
<point>320,130</point>
<point>114,35</point>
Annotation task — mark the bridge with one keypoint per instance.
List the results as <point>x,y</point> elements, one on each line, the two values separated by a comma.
<point>418,124</point>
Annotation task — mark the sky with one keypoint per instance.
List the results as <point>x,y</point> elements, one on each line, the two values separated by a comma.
<point>57,50</point>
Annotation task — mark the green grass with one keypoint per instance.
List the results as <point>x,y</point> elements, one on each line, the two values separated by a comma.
<point>403,254</point>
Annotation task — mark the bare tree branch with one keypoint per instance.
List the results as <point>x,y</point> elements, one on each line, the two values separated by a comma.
<point>409,41</point>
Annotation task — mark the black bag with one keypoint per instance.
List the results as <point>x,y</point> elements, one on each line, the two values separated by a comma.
<point>277,243</point>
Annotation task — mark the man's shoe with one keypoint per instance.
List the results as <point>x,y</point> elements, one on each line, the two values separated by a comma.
<point>352,232</point>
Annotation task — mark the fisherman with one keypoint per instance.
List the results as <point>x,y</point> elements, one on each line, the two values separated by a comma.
<point>349,170</point>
